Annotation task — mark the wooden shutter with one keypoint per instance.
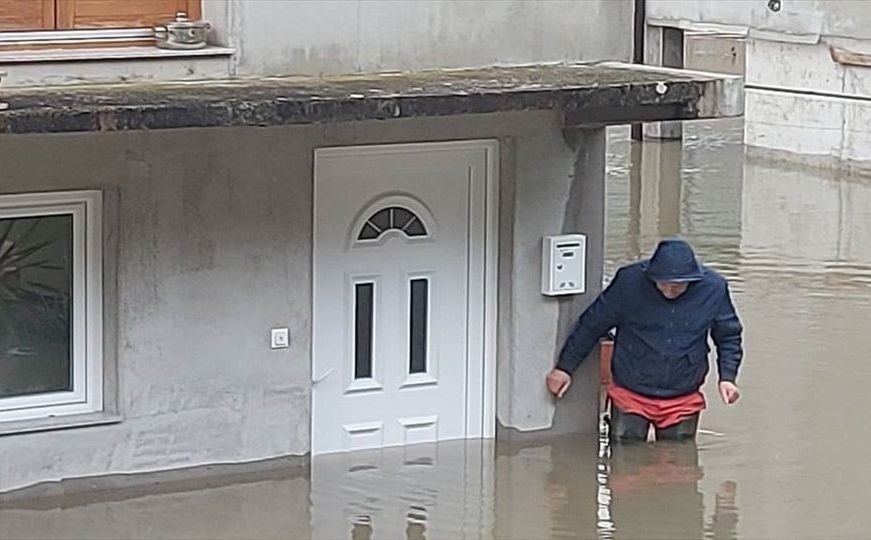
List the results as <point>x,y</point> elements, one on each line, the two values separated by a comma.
<point>22,15</point>
<point>82,14</point>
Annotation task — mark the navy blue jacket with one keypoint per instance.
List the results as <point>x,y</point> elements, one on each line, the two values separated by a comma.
<point>661,346</point>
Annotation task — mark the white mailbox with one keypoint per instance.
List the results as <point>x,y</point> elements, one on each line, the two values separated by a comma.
<point>563,264</point>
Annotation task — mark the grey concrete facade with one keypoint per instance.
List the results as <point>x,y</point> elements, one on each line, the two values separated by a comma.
<point>311,37</point>
<point>796,21</point>
<point>208,245</point>
<point>362,36</point>
<point>583,94</point>
<point>806,70</point>
<point>208,231</point>
<point>664,46</point>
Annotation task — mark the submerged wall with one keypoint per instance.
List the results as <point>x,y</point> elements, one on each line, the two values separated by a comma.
<point>208,246</point>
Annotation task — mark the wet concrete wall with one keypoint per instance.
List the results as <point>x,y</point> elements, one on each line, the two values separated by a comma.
<point>809,104</point>
<point>208,246</point>
<point>262,508</point>
<point>800,98</point>
<point>795,19</point>
<point>314,37</point>
<point>574,176</point>
<point>348,36</point>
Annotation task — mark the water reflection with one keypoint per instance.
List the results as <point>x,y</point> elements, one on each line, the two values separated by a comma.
<point>523,489</point>
<point>531,489</point>
<point>655,494</point>
<point>793,241</point>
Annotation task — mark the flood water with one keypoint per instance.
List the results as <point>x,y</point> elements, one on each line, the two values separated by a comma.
<point>789,461</point>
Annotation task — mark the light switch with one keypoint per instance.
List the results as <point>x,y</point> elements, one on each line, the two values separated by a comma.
<point>280,338</point>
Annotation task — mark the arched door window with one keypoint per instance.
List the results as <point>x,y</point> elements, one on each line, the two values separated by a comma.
<point>393,218</point>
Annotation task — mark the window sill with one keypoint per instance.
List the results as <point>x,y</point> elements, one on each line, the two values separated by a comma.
<point>107,54</point>
<point>59,422</point>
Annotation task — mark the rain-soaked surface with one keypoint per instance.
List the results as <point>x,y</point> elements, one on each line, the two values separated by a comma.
<point>789,461</point>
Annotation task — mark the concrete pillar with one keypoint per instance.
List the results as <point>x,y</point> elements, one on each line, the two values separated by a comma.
<point>578,411</point>
<point>664,46</point>
<point>558,187</point>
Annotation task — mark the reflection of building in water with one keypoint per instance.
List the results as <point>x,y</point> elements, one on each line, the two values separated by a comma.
<point>660,197</point>
<point>655,494</point>
<point>415,492</point>
<point>250,501</point>
<point>654,490</point>
<point>756,217</point>
<point>546,489</point>
<point>793,242</point>
<point>512,490</point>
<point>723,525</point>
<point>526,489</point>
<point>520,489</point>
<point>666,190</point>
<point>819,219</point>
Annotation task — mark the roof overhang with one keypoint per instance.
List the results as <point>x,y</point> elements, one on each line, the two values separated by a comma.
<point>604,93</point>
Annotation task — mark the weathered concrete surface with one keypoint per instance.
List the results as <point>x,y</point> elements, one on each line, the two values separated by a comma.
<point>800,99</point>
<point>603,93</point>
<point>663,47</point>
<point>113,71</point>
<point>803,20</point>
<point>549,168</point>
<point>209,233</point>
<point>810,105</point>
<point>250,501</point>
<point>311,37</point>
<point>715,53</point>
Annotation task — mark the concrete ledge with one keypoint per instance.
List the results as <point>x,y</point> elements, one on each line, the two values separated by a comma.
<point>103,54</point>
<point>60,422</point>
<point>583,93</point>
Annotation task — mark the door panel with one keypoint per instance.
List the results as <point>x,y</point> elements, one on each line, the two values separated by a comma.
<point>393,285</point>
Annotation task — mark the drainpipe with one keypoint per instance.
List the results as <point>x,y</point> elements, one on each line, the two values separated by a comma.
<point>638,23</point>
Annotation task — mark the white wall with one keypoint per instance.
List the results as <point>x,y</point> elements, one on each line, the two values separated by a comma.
<point>799,100</point>
<point>833,18</point>
<point>275,37</point>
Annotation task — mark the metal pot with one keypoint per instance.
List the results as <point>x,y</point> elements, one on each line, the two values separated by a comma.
<point>182,33</point>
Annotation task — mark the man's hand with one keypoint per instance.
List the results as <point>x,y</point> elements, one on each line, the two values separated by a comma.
<point>729,392</point>
<point>558,382</point>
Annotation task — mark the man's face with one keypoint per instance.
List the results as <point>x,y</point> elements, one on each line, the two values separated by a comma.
<point>672,289</point>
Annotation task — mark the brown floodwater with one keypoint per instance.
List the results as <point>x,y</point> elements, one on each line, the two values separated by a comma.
<point>786,462</point>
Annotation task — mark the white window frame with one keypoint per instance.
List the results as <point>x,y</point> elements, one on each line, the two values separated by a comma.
<point>86,396</point>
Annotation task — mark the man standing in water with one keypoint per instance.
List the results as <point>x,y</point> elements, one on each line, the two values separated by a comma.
<point>663,308</point>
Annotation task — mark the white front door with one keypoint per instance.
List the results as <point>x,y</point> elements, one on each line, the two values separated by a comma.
<point>400,268</point>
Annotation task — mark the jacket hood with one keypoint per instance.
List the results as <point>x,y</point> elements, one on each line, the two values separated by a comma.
<point>673,260</point>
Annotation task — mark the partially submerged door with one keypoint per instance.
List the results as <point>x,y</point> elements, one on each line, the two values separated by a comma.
<point>399,294</point>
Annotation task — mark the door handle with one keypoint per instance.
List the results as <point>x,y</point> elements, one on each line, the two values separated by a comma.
<point>318,380</point>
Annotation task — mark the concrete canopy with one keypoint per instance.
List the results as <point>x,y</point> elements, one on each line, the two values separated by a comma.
<point>604,93</point>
